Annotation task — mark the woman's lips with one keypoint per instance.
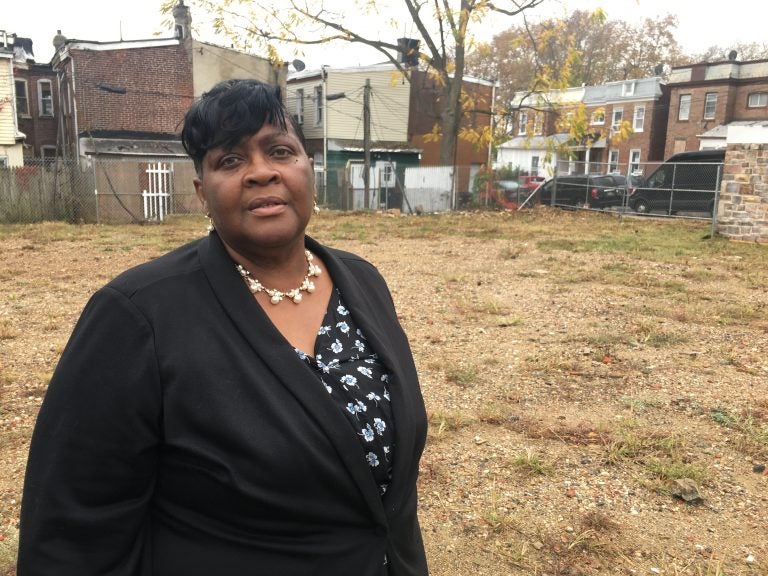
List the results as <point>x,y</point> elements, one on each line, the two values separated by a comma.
<point>269,205</point>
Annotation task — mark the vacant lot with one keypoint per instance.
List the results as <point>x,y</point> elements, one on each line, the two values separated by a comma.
<point>574,367</point>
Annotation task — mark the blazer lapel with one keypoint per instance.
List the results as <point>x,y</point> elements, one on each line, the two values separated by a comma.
<point>275,351</point>
<point>375,324</point>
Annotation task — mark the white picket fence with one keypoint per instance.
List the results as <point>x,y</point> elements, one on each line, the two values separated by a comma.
<point>156,200</point>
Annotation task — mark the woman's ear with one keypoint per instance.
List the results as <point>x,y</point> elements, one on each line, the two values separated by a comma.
<point>200,195</point>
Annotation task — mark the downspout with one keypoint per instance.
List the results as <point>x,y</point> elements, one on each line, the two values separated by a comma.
<point>325,133</point>
<point>491,124</point>
<point>75,130</point>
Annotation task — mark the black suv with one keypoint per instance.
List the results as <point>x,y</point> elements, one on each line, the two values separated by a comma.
<point>586,190</point>
<point>686,182</point>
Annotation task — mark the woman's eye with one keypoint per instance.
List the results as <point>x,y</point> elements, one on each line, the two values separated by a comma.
<point>226,161</point>
<point>282,152</point>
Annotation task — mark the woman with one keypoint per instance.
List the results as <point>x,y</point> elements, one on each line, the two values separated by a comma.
<point>246,404</point>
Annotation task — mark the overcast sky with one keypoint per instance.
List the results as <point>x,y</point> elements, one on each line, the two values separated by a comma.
<point>700,25</point>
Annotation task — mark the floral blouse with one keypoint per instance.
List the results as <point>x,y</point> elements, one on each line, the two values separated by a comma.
<point>357,381</point>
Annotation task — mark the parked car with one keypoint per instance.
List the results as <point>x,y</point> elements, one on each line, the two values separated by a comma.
<point>531,182</point>
<point>511,190</point>
<point>587,190</point>
<point>686,182</point>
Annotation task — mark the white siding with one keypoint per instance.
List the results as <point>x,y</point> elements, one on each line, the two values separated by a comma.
<point>390,96</point>
<point>389,105</point>
<point>7,103</point>
<point>312,130</point>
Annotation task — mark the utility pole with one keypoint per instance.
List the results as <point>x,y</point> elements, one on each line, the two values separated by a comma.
<point>367,142</point>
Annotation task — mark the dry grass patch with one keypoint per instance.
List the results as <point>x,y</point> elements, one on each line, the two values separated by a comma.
<point>573,365</point>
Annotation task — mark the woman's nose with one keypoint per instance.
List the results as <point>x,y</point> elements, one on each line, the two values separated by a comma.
<point>260,171</point>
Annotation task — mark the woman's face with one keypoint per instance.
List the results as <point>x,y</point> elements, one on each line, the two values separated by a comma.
<point>260,193</point>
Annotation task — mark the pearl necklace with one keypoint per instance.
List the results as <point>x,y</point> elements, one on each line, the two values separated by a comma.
<point>276,296</point>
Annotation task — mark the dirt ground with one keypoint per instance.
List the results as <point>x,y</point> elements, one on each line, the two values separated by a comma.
<point>583,376</point>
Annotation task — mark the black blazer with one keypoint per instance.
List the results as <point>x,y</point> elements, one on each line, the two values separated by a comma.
<point>182,436</point>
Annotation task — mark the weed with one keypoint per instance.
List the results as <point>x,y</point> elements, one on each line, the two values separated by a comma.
<point>511,252</point>
<point>440,422</point>
<point>7,332</point>
<point>461,376</point>
<point>721,416</point>
<point>495,515</point>
<point>634,404</point>
<point>529,461</point>
<point>493,306</point>
<point>667,471</point>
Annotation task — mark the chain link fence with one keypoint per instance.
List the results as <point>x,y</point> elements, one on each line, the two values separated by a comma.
<point>47,190</point>
<point>673,189</point>
<point>107,191</point>
<point>111,191</point>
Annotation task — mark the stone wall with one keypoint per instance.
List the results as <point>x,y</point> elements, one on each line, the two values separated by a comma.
<point>742,212</point>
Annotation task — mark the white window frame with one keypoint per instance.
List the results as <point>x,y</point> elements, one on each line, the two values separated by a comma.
<point>598,118</point>
<point>628,89</point>
<point>522,122</point>
<point>538,124</point>
<point>41,102</point>
<point>299,106</point>
<point>634,160</point>
<point>638,122</point>
<point>318,105</point>
<point>757,100</point>
<point>25,97</point>
<point>684,110</point>
<point>617,117</point>
<point>535,165</point>
<point>710,105</point>
<point>613,161</point>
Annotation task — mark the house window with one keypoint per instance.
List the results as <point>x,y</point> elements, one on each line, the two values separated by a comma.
<point>522,122</point>
<point>613,161</point>
<point>534,165</point>
<point>318,105</point>
<point>300,106</point>
<point>538,125</point>
<point>757,100</point>
<point>637,125</point>
<point>628,89</point>
<point>48,155</point>
<point>685,107</point>
<point>44,98</point>
<point>710,105</point>
<point>3,161</point>
<point>618,117</point>
<point>634,160</point>
<point>598,117</point>
<point>22,98</point>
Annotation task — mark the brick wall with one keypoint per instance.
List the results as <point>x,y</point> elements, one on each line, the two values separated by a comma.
<point>157,82</point>
<point>39,130</point>
<point>743,208</point>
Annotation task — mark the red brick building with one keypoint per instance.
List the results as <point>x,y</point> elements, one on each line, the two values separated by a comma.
<point>36,94</point>
<point>131,91</point>
<point>706,97</point>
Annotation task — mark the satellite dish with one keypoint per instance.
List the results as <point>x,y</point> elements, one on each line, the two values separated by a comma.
<point>298,65</point>
<point>732,55</point>
<point>658,69</point>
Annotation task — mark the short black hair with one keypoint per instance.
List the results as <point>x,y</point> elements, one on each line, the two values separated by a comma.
<point>230,111</point>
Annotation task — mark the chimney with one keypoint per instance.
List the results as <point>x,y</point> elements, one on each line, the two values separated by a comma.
<point>408,51</point>
<point>59,40</point>
<point>182,21</point>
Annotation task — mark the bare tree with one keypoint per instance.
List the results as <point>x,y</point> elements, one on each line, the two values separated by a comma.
<point>445,30</point>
